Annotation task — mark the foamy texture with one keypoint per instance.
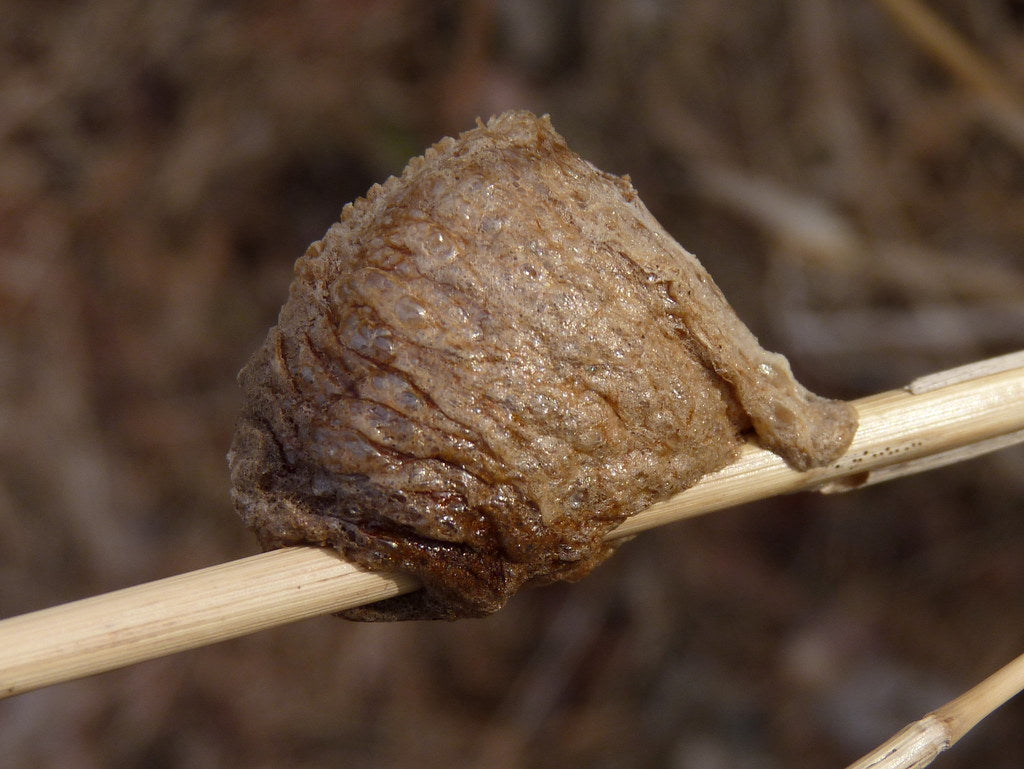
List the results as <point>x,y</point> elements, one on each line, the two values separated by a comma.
<point>489,363</point>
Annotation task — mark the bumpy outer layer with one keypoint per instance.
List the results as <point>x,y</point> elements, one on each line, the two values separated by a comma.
<point>489,363</point>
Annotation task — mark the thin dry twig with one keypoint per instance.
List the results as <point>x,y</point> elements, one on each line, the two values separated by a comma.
<point>233,599</point>
<point>918,744</point>
<point>949,48</point>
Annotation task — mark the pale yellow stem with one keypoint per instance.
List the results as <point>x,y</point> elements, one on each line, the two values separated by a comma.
<point>951,50</point>
<point>917,745</point>
<point>159,618</point>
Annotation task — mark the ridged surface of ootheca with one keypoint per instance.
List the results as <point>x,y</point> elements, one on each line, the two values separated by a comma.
<point>489,363</point>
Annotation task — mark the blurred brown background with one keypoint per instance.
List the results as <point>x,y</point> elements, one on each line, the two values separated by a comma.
<point>163,164</point>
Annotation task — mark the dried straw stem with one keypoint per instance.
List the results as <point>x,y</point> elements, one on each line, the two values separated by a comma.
<point>951,50</point>
<point>957,415</point>
<point>920,743</point>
